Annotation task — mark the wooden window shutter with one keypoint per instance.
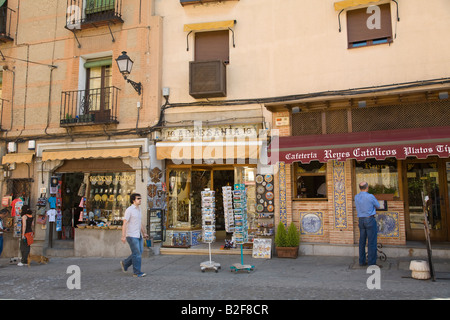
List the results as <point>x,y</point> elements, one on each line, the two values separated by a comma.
<point>358,31</point>
<point>212,45</point>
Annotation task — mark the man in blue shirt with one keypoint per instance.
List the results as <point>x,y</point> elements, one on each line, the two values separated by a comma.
<point>366,205</point>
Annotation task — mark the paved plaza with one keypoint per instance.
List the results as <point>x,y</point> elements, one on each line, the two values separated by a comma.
<point>178,277</point>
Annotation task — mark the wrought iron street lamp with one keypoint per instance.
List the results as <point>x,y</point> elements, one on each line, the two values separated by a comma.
<point>125,64</point>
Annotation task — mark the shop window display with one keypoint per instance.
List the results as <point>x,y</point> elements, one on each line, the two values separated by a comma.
<point>310,180</point>
<point>382,177</point>
<point>108,195</point>
<point>184,203</point>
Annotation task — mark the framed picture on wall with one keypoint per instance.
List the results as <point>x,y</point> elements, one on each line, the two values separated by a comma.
<point>383,205</point>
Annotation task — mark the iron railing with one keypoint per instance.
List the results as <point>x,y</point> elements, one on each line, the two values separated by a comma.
<point>85,107</point>
<point>82,14</point>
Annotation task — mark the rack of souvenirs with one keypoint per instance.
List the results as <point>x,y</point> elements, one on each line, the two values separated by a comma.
<point>209,226</point>
<point>265,205</point>
<point>227,193</point>
<point>240,235</point>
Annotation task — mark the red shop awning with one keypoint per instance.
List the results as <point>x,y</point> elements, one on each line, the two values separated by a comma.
<point>420,143</point>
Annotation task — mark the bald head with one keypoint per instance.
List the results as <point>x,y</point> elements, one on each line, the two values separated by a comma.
<point>363,186</point>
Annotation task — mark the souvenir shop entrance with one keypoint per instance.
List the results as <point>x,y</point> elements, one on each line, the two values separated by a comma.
<point>105,186</point>
<point>427,189</point>
<point>70,200</point>
<point>217,178</point>
<point>185,184</point>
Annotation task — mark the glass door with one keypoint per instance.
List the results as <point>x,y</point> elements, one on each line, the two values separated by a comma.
<point>425,194</point>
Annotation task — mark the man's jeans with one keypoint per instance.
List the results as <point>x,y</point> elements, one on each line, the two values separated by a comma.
<point>368,230</point>
<point>135,259</point>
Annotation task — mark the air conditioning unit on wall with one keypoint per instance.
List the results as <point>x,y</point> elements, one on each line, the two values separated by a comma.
<point>207,79</point>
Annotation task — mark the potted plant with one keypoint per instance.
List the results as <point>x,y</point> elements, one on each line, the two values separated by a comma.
<point>287,242</point>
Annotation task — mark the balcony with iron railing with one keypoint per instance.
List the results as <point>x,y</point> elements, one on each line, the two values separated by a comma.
<point>89,107</point>
<point>84,14</point>
<point>5,23</point>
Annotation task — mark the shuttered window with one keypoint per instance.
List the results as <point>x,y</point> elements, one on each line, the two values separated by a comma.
<point>212,45</point>
<point>369,26</point>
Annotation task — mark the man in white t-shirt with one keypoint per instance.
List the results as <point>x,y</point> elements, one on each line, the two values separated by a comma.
<point>133,233</point>
<point>51,214</point>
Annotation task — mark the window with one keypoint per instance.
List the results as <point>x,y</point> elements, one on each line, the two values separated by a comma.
<point>98,88</point>
<point>212,45</point>
<point>95,6</point>
<point>5,21</point>
<point>382,177</point>
<point>310,180</point>
<point>369,26</point>
<point>207,74</point>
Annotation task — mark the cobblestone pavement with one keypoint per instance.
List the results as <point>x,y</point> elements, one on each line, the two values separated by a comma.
<point>179,277</point>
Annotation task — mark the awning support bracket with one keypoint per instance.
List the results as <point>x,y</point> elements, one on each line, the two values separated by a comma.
<point>187,40</point>
<point>339,19</point>
<point>232,32</point>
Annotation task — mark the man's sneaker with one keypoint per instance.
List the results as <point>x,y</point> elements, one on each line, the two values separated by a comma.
<point>123,267</point>
<point>139,275</point>
<point>20,264</point>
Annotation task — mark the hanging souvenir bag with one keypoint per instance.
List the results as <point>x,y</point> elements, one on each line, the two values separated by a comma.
<point>41,219</point>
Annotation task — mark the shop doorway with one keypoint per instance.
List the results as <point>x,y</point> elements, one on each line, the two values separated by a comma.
<point>221,178</point>
<point>427,190</point>
<point>214,179</point>
<point>70,200</point>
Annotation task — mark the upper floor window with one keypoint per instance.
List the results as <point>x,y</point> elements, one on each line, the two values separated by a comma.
<point>369,26</point>
<point>212,45</point>
<point>84,14</point>
<point>5,21</point>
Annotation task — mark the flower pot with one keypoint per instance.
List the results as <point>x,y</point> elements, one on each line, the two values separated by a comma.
<point>287,252</point>
<point>384,196</point>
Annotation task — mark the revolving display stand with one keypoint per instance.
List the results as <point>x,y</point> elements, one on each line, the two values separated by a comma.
<point>209,227</point>
<point>240,234</point>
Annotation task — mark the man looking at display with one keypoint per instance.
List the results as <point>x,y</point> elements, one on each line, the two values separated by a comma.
<point>366,205</point>
<point>133,232</point>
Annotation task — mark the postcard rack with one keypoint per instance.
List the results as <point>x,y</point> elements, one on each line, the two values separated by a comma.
<point>209,227</point>
<point>240,235</point>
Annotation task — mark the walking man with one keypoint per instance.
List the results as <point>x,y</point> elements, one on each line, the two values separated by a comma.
<point>366,205</point>
<point>133,232</point>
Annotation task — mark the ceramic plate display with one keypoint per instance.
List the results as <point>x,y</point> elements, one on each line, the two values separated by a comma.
<point>269,195</point>
<point>259,178</point>
<point>268,178</point>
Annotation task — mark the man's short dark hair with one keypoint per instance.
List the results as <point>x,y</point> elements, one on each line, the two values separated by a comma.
<point>134,196</point>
